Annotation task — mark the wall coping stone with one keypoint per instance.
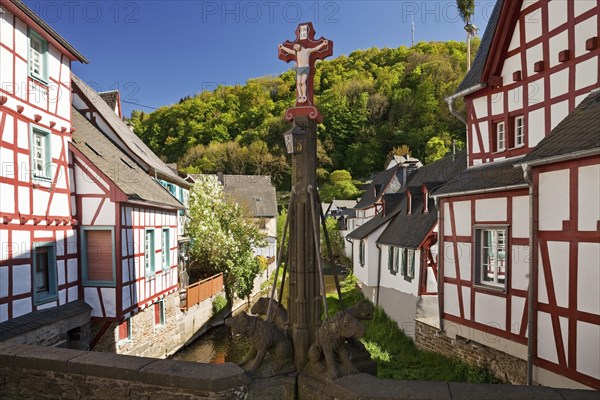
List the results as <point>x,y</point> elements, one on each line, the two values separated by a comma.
<point>368,387</point>
<point>151,371</point>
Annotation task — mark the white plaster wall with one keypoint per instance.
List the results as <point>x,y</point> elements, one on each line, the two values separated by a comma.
<point>589,197</point>
<point>515,41</point>
<point>582,6</point>
<point>497,100</point>
<point>462,216</point>
<point>533,26</point>
<point>586,73</point>
<point>558,43</point>
<point>534,54</point>
<point>490,209</point>
<point>588,276</point>
<point>466,295</point>
<point>537,128</point>
<point>583,31</point>
<point>447,228</point>
<point>519,267</point>
<point>490,310</point>
<point>21,307</point>
<point>106,216</point>
<point>451,305</point>
<point>511,65</point>
<point>559,83</point>
<point>553,199</point>
<point>557,13</point>
<point>559,262</point>
<point>480,107</point>
<point>397,282</point>
<point>517,307</point>
<point>588,351</point>
<point>475,143</point>
<point>90,295</point>
<point>520,217</point>
<point>515,98</point>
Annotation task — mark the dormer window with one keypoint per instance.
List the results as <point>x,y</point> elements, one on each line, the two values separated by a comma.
<point>519,131</point>
<point>500,136</point>
<point>425,200</point>
<point>38,49</point>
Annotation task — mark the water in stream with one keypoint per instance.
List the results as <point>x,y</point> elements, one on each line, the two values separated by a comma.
<point>217,345</point>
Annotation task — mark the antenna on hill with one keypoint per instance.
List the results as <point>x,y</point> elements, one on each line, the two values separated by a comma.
<point>412,20</point>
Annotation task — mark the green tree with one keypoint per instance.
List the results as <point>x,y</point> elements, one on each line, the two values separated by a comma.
<point>222,237</point>
<point>340,187</point>
<point>466,9</point>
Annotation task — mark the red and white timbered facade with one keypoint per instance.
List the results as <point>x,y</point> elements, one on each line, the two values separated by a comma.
<point>542,62</point>
<point>508,236</point>
<point>38,239</point>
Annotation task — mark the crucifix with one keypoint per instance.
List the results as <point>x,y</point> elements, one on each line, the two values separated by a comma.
<point>305,51</point>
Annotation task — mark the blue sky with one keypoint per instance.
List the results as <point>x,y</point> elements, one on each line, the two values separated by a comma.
<point>157,51</point>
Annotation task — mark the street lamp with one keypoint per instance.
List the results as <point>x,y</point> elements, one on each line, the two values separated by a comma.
<point>294,139</point>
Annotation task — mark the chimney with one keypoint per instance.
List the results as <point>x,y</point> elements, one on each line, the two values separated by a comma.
<point>425,199</point>
<point>453,150</point>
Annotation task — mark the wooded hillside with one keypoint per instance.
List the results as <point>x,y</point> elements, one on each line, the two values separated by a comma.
<point>373,101</point>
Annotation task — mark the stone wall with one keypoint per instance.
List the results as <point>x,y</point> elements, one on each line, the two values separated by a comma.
<point>161,341</point>
<point>504,366</point>
<point>52,373</point>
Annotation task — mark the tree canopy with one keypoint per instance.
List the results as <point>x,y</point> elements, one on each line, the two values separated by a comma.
<point>222,238</point>
<point>372,101</point>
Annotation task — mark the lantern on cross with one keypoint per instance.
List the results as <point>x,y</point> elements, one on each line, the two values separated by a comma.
<point>294,139</point>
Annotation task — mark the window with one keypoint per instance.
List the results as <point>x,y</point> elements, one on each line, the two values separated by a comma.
<point>124,332</point>
<point>519,131</point>
<point>38,49</point>
<point>500,136</point>
<point>41,160</point>
<point>490,257</point>
<point>394,255</point>
<point>159,313</point>
<point>408,264</point>
<point>44,272</point>
<point>98,258</point>
<point>166,251</point>
<point>361,253</point>
<point>149,253</point>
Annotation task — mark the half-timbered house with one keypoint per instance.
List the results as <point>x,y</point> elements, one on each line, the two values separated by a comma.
<point>538,60</point>
<point>128,245</point>
<point>38,232</point>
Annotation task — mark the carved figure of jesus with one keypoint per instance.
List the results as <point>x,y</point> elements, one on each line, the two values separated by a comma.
<point>302,55</point>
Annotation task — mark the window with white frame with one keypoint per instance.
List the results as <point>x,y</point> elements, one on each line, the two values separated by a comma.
<point>38,50</point>
<point>41,160</point>
<point>490,256</point>
<point>149,253</point>
<point>519,131</point>
<point>361,253</point>
<point>44,272</point>
<point>165,250</point>
<point>500,136</point>
<point>394,255</point>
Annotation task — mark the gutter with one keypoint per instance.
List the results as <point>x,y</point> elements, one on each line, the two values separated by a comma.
<point>480,191</point>
<point>530,295</point>
<point>378,274</point>
<point>450,100</point>
<point>559,158</point>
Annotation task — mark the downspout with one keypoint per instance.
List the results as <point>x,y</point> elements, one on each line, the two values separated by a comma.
<point>463,93</point>
<point>378,274</point>
<point>351,251</point>
<point>530,295</point>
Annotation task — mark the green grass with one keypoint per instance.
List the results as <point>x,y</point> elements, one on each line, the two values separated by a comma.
<point>396,354</point>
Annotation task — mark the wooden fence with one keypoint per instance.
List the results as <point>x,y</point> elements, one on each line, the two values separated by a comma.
<point>202,290</point>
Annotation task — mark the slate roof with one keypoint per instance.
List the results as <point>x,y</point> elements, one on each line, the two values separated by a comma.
<point>489,176</point>
<point>110,98</point>
<point>474,75</point>
<point>380,181</point>
<point>434,175</point>
<point>130,140</point>
<point>409,230</point>
<point>117,165</point>
<point>256,192</point>
<point>394,207</point>
<point>27,11</point>
<point>579,131</point>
